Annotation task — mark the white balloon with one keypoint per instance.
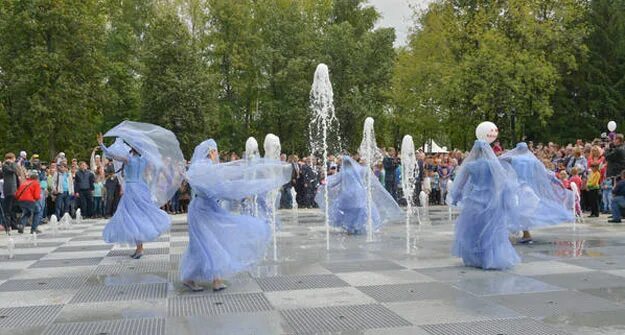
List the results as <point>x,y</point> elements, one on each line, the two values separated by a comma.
<point>611,126</point>
<point>487,131</point>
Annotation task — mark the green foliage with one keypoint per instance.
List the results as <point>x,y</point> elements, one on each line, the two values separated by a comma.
<point>175,85</point>
<point>52,73</point>
<point>543,69</point>
<point>502,61</point>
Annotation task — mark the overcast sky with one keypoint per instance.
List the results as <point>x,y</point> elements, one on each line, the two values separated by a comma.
<point>397,14</point>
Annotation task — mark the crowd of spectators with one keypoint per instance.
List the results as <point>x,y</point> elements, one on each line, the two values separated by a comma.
<point>38,189</point>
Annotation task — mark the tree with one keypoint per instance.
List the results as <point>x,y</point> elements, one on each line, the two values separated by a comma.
<point>176,90</point>
<point>481,60</point>
<point>594,93</point>
<point>51,67</point>
<point>127,26</point>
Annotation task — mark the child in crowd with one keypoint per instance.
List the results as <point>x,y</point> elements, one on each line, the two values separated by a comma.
<point>606,195</point>
<point>593,190</point>
<point>98,186</point>
<point>575,178</point>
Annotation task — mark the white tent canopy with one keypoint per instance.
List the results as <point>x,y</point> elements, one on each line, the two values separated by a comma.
<point>431,147</point>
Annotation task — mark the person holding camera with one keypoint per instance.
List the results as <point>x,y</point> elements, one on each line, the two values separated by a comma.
<point>615,157</point>
<point>390,162</point>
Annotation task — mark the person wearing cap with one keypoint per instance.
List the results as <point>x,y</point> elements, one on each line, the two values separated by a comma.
<point>27,196</point>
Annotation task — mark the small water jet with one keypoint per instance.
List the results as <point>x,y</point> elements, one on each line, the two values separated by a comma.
<point>78,216</point>
<point>66,221</point>
<point>11,247</point>
<point>252,152</point>
<point>54,224</point>
<point>423,200</point>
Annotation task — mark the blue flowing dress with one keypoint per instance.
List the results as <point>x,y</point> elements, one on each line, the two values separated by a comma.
<point>487,196</point>
<point>555,203</point>
<point>348,198</point>
<point>221,243</point>
<point>138,219</point>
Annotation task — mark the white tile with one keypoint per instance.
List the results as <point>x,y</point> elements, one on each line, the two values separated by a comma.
<point>546,268</point>
<point>318,298</point>
<point>367,278</point>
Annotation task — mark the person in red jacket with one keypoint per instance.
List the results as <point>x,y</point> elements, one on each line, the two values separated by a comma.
<point>27,197</point>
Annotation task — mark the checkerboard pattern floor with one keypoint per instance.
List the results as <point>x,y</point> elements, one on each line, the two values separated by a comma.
<point>570,282</point>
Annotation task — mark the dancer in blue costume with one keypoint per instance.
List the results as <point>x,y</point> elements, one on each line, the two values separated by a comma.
<point>489,197</point>
<point>347,195</point>
<point>153,168</point>
<point>222,244</point>
<point>555,204</point>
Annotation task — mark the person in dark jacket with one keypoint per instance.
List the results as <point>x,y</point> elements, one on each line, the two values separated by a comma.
<point>615,156</point>
<point>307,184</point>
<point>83,186</point>
<point>113,193</point>
<point>618,199</point>
<point>418,179</point>
<point>391,162</point>
<point>11,183</point>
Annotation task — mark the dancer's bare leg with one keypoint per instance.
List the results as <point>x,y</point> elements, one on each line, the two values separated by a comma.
<point>138,251</point>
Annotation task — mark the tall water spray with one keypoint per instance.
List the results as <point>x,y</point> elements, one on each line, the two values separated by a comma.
<point>323,130</point>
<point>252,152</point>
<point>272,151</point>
<point>410,169</point>
<point>371,154</point>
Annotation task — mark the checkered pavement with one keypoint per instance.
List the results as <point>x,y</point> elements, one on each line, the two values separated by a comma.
<point>570,282</point>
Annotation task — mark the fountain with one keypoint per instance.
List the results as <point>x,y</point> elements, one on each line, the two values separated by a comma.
<point>323,129</point>
<point>78,216</point>
<point>252,152</point>
<point>423,200</point>
<point>11,246</point>
<point>371,154</point>
<point>251,149</point>
<point>272,151</point>
<point>410,169</point>
<point>66,221</point>
<point>54,224</point>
